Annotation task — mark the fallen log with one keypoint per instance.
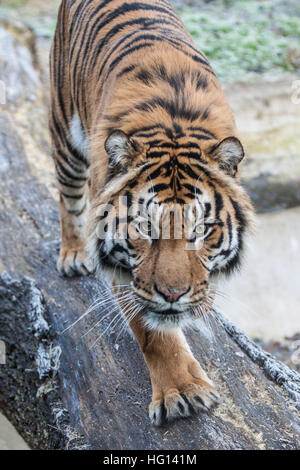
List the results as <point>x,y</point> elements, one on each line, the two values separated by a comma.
<point>60,391</point>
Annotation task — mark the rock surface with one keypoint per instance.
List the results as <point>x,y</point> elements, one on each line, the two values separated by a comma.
<point>61,394</point>
<point>269,280</point>
<point>268,118</point>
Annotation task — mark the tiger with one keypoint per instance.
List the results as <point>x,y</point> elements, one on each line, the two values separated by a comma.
<point>140,125</point>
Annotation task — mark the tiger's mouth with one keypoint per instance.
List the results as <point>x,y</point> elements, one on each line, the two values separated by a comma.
<point>165,317</point>
<point>170,311</point>
<point>169,308</point>
<point>168,319</point>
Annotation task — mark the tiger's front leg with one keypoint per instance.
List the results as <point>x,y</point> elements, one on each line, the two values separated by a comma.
<point>72,172</point>
<point>179,384</point>
<point>73,258</point>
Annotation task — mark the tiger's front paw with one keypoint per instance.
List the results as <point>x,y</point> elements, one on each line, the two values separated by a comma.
<point>182,393</point>
<point>181,403</point>
<point>74,262</point>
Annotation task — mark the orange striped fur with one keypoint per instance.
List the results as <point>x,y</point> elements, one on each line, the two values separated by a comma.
<point>138,117</point>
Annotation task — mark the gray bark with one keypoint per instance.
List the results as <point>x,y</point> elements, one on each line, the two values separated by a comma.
<point>56,389</point>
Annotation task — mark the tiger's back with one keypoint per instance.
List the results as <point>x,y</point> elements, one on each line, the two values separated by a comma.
<point>131,65</point>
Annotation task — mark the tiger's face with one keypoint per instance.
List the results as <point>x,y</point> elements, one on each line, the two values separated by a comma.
<point>172,223</point>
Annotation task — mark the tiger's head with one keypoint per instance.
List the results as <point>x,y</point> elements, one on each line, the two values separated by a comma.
<point>171,216</point>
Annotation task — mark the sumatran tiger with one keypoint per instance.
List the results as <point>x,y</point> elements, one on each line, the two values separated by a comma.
<point>142,133</point>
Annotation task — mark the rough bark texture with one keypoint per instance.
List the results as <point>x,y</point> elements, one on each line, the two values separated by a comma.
<point>56,389</point>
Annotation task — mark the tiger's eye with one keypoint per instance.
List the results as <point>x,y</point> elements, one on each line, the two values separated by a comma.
<point>200,229</point>
<point>146,227</point>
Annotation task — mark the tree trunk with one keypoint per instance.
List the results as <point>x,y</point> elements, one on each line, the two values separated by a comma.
<point>57,389</point>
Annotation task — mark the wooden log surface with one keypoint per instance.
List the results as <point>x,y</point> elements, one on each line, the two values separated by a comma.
<point>57,387</point>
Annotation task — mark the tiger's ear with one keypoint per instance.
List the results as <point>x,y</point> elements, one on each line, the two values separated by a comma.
<point>121,150</point>
<point>228,154</point>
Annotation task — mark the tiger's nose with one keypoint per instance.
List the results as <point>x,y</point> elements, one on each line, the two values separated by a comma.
<point>171,295</point>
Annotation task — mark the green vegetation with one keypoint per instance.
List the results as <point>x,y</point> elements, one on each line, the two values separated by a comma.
<point>38,14</point>
<point>242,38</point>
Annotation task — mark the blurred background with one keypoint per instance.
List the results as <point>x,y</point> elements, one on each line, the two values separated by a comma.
<point>254,48</point>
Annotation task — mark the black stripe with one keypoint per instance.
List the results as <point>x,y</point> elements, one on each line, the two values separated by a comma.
<point>158,187</point>
<point>122,10</point>
<point>200,80</point>
<point>188,171</point>
<point>111,51</point>
<point>79,13</point>
<point>156,154</point>
<point>68,196</point>
<point>189,145</point>
<point>199,57</point>
<point>238,214</point>
<point>195,58</point>
<point>137,131</point>
<point>126,70</point>
<point>205,267</point>
<point>196,156</point>
<point>67,173</point>
<point>205,170</point>
<point>78,213</point>
<point>201,136</point>
<point>92,20</point>
<point>125,54</point>
<point>229,227</point>
<point>123,26</point>
<point>219,242</point>
<point>158,143</point>
<point>149,36</point>
<point>86,44</point>
<point>118,249</point>
<point>202,129</point>
<point>144,76</point>
<point>156,172</point>
<point>69,162</point>
<point>207,210</point>
<point>69,185</point>
<point>61,133</point>
<point>218,204</point>
<point>192,188</point>
<point>176,109</point>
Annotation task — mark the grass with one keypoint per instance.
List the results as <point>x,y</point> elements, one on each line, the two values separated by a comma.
<point>245,38</point>
<point>36,13</point>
